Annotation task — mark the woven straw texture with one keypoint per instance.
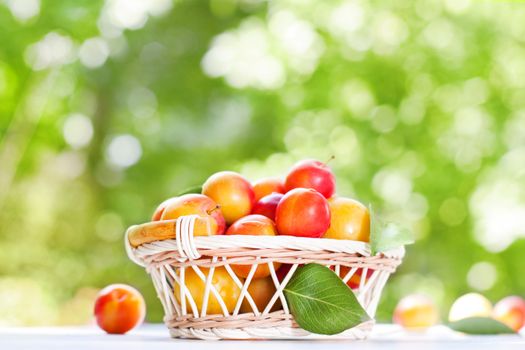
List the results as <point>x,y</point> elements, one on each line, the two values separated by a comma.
<point>169,261</point>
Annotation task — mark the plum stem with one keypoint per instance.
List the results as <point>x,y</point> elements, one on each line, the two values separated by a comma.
<point>212,210</point>
<point>332,157</point>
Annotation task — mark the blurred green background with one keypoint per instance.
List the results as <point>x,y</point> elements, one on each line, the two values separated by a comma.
<point>107,108</point>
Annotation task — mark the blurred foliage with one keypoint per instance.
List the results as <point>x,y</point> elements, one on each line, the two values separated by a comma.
<point>107,108</point>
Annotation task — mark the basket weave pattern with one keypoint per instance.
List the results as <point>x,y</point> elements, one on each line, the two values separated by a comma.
<point>168,261</point>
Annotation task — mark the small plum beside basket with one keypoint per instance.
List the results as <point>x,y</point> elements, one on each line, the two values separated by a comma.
<point>167,261</point>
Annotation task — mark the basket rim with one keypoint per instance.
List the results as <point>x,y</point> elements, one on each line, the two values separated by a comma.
<point>249,242</point>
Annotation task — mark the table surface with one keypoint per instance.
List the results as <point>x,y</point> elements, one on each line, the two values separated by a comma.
<point>155,336</point>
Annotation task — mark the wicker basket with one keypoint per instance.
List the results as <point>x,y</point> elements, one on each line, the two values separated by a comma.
<point>168,260</point>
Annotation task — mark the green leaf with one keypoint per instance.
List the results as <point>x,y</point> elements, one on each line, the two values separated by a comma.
<point>480,325</point>
<point>321,302</point>
<point>194,189</point>
<point>386,236</point>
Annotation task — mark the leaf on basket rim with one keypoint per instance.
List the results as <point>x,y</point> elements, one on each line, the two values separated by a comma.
<point>481,326</point>
<point>321,302</point>
<point>387,236</point>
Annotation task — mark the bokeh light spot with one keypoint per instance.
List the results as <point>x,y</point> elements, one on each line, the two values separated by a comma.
<point>77,130</point>
<point>93,52</point>
<point>482,276</point>
<point>24,10</point>
<point>393,186</point>
<point>124,151</point>
<point>53,50</point>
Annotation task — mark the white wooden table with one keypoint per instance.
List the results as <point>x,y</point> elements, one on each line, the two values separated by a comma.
<point>153,337</point>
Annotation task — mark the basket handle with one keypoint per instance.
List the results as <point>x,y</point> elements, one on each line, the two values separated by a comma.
<point>184,237</point>
<point>183,229</point>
